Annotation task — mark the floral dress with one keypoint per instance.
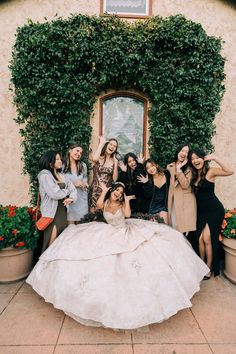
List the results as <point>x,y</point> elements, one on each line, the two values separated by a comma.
<point>101,174</point>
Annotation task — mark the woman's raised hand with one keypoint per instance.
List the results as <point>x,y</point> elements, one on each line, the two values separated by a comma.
<point>142,179</point>
<point>210,157</point>
<point>179,165</point>
<point>129,197</point>
<point>122,166</point>
<point>102,140</point>
<point>140,158</point>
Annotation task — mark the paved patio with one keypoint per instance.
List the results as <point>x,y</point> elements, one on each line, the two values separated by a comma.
<point>28,325</point>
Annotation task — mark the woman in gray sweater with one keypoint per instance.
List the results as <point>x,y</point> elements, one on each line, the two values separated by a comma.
<point>56,192</point>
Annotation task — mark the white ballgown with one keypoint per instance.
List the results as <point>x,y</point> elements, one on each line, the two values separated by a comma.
<point>125,274</point>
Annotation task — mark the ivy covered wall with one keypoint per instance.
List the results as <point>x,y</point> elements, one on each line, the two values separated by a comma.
<point>60,67</point>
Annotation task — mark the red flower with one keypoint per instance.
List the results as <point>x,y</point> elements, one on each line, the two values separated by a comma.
<point>20,244</point>
<point>1,238</point>
<point>228,215</point>
<point>11,210</point>
<point>14,232</point>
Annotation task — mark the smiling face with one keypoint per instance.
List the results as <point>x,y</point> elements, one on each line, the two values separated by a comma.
<point>183,154</point>
<point>197,162</point>
<point>151,168</point>
<point>132,163</point>
<point>111,147</point>
<point>58,163</point>
<point>76,153</point>
<point>117,194</point>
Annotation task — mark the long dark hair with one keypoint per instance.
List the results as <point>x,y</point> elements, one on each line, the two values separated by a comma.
<point>132,174</point>
<point>159,168</point>
<point>47,161</point>
<point>200,153</point>
<point>103,152</point>
<point>79,164</point>
<point>114,186</point>
<point>179,148</point>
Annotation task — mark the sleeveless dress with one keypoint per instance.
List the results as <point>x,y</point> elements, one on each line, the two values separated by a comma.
<point>159,199</point>
<point>123,274</point>
<point>78,209</point>
<point>101,174</point>
<point>209,211</point>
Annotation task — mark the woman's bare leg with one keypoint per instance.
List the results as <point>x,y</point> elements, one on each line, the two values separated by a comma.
<point>53,235</point>
<point>208,245</point>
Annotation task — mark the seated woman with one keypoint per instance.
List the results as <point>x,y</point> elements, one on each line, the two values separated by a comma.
<point>76,171</point>
<point>156,185</point>
<point>56,193</point>
<point>131,168</point>
<point>123,274</point>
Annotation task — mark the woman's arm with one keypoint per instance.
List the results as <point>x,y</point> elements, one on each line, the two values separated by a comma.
<point>223,170</point>
<point>51,187</point>
<point>126,205</point>
<point>100,201</point>
<point>115,169</point>
<point>72,190</point>
<point>183,179</point>
<point>95,157</point>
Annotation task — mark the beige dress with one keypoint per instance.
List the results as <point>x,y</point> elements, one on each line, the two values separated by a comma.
<point>181,201</point>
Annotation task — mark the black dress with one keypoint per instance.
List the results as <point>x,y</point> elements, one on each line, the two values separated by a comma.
<point>209,211</point>
<point>134,187</point>
<point>156,199</point>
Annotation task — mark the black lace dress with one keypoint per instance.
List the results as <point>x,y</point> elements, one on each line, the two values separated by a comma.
<point>209,211</point>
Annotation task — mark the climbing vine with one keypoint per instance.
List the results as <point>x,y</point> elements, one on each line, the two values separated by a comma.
<point>60,67</point>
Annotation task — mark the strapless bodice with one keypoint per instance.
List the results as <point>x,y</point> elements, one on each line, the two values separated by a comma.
<point>116,220</point>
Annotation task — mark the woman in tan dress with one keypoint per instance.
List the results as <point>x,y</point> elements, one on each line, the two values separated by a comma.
<point>105,169</point>
<point>181,200</point>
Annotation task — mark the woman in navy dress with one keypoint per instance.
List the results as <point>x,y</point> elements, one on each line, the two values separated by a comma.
<point>156,186</point>
<point>210,211</point>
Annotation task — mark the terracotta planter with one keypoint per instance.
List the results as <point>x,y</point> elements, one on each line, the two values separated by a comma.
<point>229,246</point>
<point>15,263</point>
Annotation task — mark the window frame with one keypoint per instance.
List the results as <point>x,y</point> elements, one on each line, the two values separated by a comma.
<point>126,15</point>
<point>131,95</point>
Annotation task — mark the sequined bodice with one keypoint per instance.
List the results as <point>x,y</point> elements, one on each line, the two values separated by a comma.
<point>117,219</point>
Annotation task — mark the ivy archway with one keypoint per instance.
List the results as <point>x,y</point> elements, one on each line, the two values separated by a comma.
<point>60,67</point>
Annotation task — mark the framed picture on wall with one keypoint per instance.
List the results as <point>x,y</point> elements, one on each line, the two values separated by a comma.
<point>126,8</point>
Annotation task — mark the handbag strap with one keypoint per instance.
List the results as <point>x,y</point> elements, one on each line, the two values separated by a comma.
<point>37,208</point>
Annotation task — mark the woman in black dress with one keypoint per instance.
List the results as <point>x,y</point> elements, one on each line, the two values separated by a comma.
<point>210,211</point>
<point>156,186</point>
<point>131,167</point>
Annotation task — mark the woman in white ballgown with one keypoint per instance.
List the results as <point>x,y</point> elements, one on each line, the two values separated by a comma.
<point>123,274</point>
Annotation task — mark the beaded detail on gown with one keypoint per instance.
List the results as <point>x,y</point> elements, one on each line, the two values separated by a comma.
<point>125,274</point>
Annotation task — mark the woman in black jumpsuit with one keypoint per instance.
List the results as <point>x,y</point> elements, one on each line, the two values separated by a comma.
<point>210,211</point>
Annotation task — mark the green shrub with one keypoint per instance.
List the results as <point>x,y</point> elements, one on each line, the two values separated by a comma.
<point>60,67</point>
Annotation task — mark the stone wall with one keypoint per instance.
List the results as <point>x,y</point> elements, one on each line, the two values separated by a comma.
<point>217,17</point>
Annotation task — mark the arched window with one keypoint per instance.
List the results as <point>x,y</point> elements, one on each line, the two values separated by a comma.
<point>124,117</point>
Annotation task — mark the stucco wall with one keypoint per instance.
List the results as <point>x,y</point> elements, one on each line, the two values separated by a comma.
<point>217,17</point>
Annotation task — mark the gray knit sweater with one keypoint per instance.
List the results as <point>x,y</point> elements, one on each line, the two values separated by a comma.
<point>50,192</point>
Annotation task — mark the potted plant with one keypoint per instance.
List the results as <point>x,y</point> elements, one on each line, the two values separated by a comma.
<point>229,244</point>
<point>18,238</point>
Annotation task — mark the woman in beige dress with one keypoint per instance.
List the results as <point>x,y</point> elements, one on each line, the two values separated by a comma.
<point>181,200</point>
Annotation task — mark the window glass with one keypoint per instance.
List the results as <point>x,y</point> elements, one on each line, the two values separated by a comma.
<point>123,119</point>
